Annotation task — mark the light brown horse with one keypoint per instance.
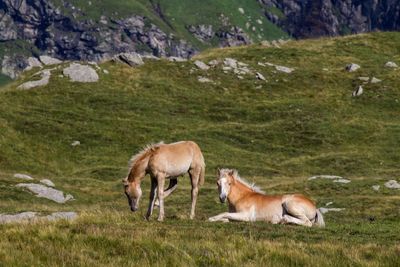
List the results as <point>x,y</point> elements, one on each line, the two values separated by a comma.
<point>248,203</point>
<point>164,161</point>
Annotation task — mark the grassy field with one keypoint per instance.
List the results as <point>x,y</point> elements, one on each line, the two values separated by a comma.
<point>276,133</point>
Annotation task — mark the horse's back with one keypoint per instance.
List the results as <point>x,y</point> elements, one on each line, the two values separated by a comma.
<point>175,158</point>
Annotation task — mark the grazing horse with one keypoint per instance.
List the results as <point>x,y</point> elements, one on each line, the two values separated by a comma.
<point>248,203</point>
<point>164,161</point>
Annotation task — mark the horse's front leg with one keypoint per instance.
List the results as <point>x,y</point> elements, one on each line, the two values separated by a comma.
<point>152,197</point>
<point>160,191</point>
<point>232,216</point>
<point>173,184</point>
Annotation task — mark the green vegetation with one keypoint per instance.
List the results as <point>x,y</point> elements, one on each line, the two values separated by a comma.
<point>276,133</point>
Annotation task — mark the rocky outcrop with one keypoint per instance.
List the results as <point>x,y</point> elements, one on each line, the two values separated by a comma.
<point>61,35</point>
<point>307,18</point>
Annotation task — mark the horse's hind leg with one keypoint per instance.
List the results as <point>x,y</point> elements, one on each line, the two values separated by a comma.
<point>152,197</point>
<point>295,214</point>
<point>194,177</point>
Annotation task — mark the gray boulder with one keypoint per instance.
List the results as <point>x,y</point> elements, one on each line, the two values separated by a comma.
<point>359,91</point>
<point>390,64</point>
<point>201,65</point>
<point>45,78</point>
<point>47,182</point>
<point>260,76</point>
<point>12,218</point>
<point>230,62</point>
<point>81,73</point>
<point>352,67</point>
<point>22,176</point>
<point>47,60</point>
<point>132,59</point>
<point>32,63</point>
<point>47,192</point>
<point>70,215</point>
<point>392,184</point>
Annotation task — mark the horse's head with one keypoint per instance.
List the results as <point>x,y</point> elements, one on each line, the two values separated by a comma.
<point>225,180</point>
<point>133,192</point>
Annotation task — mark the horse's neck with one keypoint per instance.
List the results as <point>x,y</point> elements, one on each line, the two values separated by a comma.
<point>138,170</point>
<point>238,191</point>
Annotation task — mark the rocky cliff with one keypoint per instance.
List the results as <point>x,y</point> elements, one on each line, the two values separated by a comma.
<point>309,18</point>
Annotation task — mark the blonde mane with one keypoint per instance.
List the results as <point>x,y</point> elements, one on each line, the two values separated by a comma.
<point>141,154</point>
<point>236,176</point>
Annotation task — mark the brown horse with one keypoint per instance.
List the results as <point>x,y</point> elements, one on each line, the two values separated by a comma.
<point>164,161</point>
<point>248,203</point>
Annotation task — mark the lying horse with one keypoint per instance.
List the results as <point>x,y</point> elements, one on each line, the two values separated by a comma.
<point>248,203</point>
<point>164,161</point>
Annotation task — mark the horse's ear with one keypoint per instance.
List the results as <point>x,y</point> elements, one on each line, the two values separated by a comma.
<point>231,172</point>
<point>218,172</point>
<point>125,181</point>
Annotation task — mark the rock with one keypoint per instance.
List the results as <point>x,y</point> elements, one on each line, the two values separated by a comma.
<point>45,78</point>
<point>47,192</point>
<point>32,63</point>
<point>352,67</point>
<point>328,204</point>
<point>22,176</point>
<point>240,77</point>
<point>202,32</point>
<point>260,76</point>
<point>106,71</point>
<point>226,68</point>
<point>230,62</point>
<point>333,177</point>
<point>364,79</point>
<point>376,187</point>
<point>359,91</point>
<point>213,63</point>
<point>81,73</point>
<point>47,60</point>
<point>284,69</point>
<point>375,80</point>
<point>204,80</point>
<point>233,36</point>
<point>12,66</point>
<point>390,64</point>
<point>47,182</point>
<point>241,10</point>
<point>177,59</point>
<point>392,184</point>
<point>325,210</point>
<point>201,65</point>
<point>75,143</point>
<point>259,21</point>
<point>342,181</point>
<point>34,216</point>
<point>265,43</point>
<point>62,216</point>
<point>132,59</point>
<point>23,216</point>
<point>261,64</point>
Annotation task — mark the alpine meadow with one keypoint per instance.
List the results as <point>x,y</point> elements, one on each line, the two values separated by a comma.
<point>284,114</point>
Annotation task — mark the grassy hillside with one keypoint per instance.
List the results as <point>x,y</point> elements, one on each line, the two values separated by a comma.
<point>276,133</point>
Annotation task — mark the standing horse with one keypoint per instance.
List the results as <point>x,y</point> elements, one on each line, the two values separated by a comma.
<point>248,203</point>
<point>164,161</point>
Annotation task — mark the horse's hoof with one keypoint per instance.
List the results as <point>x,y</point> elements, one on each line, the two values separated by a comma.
<point>160,219</point>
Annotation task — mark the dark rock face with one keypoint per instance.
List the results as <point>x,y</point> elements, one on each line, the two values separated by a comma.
<point>307,18</point>
<point>65,37</point>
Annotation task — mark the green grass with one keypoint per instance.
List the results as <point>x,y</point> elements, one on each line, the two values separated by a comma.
<point>276,133</point>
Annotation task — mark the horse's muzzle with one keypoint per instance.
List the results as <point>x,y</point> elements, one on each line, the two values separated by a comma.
<point>222,199</point>
<point>133,209</point>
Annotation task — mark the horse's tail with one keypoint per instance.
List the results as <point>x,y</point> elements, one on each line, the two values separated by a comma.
<point>319,219</point>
